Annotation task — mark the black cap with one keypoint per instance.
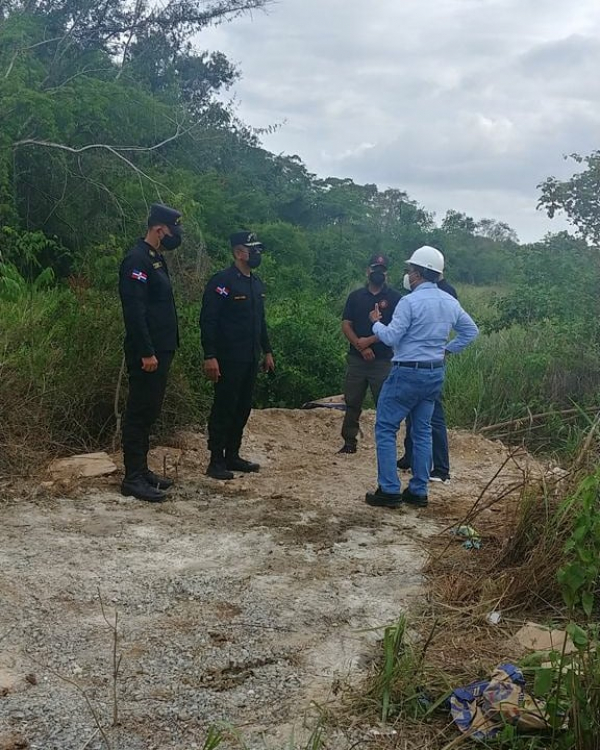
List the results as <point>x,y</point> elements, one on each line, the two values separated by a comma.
<point>379,260</point>
<point>248,239</point>
<point>161,214</point>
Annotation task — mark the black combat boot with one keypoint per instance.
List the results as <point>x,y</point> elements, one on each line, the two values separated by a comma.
<point>235,463</point>
<point>158,481</point>
<point>217,468</point>
<point>137,486</point>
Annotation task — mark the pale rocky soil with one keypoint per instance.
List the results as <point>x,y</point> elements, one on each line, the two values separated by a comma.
<point>239,602</point>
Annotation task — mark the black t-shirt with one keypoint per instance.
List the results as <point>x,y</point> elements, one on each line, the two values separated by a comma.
<point>359,304</point>
<point>448,288</point>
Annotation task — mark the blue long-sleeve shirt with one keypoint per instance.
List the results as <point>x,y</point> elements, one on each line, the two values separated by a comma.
<point>421,325</point>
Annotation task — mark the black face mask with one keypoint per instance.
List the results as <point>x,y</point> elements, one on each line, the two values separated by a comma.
<point>171,241</point>
<point>377,278</point>
<point>254,259</point>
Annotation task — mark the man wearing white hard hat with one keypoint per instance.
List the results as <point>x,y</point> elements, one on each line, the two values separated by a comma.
<point>418,334</point>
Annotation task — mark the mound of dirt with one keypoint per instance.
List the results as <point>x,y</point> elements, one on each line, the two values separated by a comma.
<point>237,602</point>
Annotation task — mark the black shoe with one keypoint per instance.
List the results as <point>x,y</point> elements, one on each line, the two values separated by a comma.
<point>438,476</point>
<point>383,499</point>
<point>156,480</point>
<point>419,501</point>
<point>139,488</point>
<point>348,448</point>
<point>218,471</point>
<point>403,463</point>
<point>240,464</point>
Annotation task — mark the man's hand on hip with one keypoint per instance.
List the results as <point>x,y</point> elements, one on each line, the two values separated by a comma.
<point>211,369</point>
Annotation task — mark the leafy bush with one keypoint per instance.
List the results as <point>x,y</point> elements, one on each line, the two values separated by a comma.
<point>309,351</point>
<point>60,356</point>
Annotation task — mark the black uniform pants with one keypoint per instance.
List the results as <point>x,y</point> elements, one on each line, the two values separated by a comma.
<point>231,406</point>
<point>144,403</point>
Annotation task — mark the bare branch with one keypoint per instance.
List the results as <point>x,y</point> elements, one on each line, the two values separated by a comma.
<point>137,13</point>
<point>88,741</point>
<point>26,49</point>
<point>83,694</point>
<point>84,72</point>
<point>116,151</point>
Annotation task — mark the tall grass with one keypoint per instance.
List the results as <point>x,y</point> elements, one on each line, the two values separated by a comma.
<point>60,358</point>
<point>519,373</point>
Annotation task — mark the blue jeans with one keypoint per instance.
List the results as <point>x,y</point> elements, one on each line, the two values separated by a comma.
<point>439,437</point>
<point>406,391</point>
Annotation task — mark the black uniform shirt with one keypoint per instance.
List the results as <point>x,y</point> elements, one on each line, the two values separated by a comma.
<point>359,304</point>
<point>148,305</point>
<point>232,318</point>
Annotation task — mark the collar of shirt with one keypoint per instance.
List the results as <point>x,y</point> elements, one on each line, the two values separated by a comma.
<point>424,285</point>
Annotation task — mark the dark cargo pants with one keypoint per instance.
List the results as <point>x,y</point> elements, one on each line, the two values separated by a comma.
<point>361,375</point>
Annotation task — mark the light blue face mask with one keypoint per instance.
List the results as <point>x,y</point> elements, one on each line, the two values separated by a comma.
<point>406,283</point>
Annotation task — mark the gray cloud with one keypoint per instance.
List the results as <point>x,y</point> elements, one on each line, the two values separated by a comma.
<point>466,104</point>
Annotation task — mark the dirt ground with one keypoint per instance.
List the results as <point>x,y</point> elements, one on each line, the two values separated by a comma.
<point>237,602</point>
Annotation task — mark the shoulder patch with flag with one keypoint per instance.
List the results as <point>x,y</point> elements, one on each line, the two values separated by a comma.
<point>222,290</point>
<point>139,276</point>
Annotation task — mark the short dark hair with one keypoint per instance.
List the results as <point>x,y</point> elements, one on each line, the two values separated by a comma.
<point>427,273</point>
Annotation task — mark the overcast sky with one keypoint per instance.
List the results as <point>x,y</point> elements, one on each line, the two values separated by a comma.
<point>465,104</point>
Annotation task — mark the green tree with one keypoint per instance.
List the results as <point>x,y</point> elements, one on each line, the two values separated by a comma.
<point>578,197</point>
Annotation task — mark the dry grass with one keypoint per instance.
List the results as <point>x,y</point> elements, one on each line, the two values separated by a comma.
<point>522,550</point>
<point>515,573</point>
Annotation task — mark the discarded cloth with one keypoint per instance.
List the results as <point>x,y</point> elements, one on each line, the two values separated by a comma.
<point>483,708</point>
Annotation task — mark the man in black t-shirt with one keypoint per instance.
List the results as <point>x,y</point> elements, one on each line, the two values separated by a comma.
<point>368,361</point>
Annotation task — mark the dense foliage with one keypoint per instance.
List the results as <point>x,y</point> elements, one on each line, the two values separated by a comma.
<point>109,108</point>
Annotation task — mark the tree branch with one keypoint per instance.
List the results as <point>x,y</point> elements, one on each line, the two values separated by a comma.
<point>26,49</point>
<point>83,72</point>
<point>137,13</point>
<point>116,151</point>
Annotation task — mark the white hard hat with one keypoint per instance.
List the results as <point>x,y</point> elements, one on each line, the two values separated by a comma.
<point>427,257</point>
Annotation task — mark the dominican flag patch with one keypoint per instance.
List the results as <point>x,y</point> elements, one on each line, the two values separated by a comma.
<point>139,276</point>
<point>222,290</point>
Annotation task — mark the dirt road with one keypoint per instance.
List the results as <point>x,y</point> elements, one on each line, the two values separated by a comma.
<point>237,602</point>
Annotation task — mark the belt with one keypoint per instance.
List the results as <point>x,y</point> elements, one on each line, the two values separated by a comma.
<point>421,365</point>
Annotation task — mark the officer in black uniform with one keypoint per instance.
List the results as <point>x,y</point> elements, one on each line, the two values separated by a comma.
<point>151,338</point>
<point>234,337</point>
